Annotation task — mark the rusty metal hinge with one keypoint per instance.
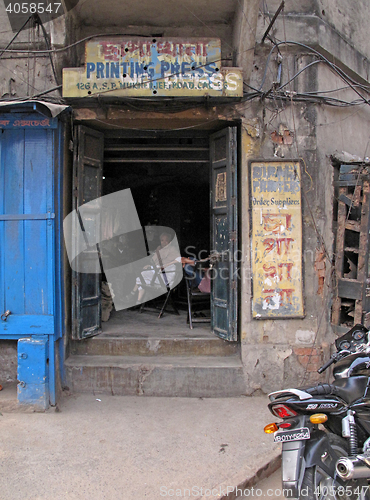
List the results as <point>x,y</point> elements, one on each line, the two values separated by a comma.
<point>233,285</point>
<point>232,235</point>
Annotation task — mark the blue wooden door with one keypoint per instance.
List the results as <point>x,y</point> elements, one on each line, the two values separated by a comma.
<point>224,233</point>
<point>87,184</point>
<point>27,266</point>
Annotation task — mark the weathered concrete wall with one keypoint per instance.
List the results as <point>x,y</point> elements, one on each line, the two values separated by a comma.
<point>8,361</point>
<point>277,353</point>
<point>29,74</point>
<point>342,129</point>
<point>335,29</point>
<point>350,19</point>
<point>244,35</point>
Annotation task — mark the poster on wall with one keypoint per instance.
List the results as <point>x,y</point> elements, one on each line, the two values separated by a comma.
<point>276,239</point>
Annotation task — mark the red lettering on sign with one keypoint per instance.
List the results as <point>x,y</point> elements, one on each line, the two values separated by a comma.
<point>32,123</point>
<point>276,223</point>
<point>270,271</point>
<point>286,293</point>
<point>166,48</point>
<point>288,266</point>
<point>111,52</point>
<point>281,242</point>
<point>144,48</point>
<point>181,49</point>
<point>269,244</point>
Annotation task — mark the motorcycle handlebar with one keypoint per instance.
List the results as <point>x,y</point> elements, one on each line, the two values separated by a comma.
<point>332,360</point>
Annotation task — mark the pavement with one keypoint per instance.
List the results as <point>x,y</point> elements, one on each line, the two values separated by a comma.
<point>95,447</point>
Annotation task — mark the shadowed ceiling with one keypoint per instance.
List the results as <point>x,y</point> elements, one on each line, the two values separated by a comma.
<point>148,13</point>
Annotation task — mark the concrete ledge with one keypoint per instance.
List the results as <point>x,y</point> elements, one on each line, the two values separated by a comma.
<point>154,346</point>
<point>180,376</point>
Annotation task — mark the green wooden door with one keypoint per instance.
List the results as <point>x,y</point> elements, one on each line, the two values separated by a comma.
<point>87,183</point>
<point>224,233</point>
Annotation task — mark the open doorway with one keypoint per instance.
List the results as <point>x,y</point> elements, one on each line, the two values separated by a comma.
<point>185,180</point>
<point>169,177</point>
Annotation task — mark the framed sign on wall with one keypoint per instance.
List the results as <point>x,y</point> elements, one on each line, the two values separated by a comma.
<point>276,239</point>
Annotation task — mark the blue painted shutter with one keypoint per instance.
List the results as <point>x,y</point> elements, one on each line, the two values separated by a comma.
<point>224,232</point>
<point>27,265</point>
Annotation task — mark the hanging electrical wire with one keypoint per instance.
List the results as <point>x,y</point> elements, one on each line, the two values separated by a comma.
<point>38,22</point>
<point>344,76</point>
<point>309,97</point>
<point>348,80</point>
<point>16,35</point>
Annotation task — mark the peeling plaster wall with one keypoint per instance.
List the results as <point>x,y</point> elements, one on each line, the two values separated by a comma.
<point>250,138</point>
<point>272,349</point>
<point>287,352</point>
<point>244,34</point>
<point>335,29</point>
<point>349,19</point>
<point>24,75</point>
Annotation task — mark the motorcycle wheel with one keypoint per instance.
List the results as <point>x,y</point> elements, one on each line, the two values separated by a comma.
<point>319,485</point>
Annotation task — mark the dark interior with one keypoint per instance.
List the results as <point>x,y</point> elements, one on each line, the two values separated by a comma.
<point>168,174</point>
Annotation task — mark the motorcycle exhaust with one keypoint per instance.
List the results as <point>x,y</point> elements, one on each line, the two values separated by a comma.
<point>352,468</point>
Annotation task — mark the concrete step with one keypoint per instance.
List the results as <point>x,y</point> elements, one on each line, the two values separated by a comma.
<point>153,346</point>
<point>182,376</point>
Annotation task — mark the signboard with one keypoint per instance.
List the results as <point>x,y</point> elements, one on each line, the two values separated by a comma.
<point>9,121</point>
<point>148,67</point>
<point>276,239</point>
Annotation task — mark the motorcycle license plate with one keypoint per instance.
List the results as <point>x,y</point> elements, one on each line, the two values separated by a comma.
<point>292,435</point>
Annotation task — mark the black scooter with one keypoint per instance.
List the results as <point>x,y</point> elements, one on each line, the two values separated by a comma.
<point>325,429</point>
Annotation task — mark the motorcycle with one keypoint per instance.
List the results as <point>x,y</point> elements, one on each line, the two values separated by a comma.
<point>325,428</point>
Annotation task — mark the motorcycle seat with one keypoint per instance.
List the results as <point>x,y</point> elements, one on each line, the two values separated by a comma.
<point>348,389</point>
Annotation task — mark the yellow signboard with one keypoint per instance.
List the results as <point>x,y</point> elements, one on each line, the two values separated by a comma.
<point>276,239</point>
<point>149,67</point>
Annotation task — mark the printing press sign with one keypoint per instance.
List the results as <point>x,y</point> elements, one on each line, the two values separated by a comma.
<point>149,67</point>
<point>276,239</point>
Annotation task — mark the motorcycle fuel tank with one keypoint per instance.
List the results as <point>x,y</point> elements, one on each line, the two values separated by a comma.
<point>354,364</point>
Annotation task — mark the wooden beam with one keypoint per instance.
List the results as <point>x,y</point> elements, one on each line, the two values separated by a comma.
<point>149,160</point>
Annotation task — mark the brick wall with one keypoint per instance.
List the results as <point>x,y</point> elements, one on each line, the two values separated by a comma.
<point>310,359</point>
